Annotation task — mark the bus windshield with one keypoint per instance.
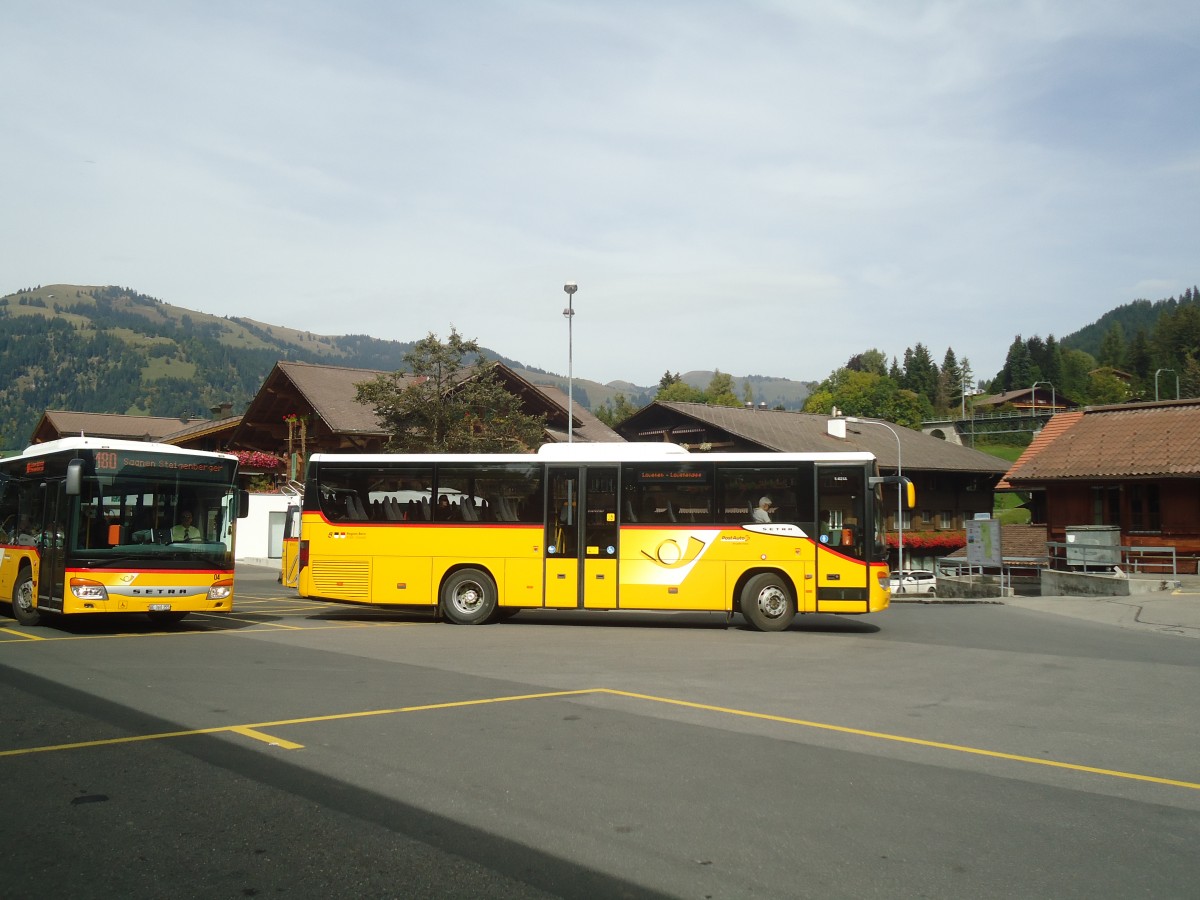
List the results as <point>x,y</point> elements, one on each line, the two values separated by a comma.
<point>156,514</point>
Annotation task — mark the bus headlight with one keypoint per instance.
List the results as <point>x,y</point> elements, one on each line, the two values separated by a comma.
<point>86,589</point>
<point>221,590</point>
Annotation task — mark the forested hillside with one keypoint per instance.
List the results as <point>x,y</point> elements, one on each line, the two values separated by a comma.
<point>109,349</point>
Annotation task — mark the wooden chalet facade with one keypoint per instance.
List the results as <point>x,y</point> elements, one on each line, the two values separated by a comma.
<point>953,483</point>
<point>1134,466</point>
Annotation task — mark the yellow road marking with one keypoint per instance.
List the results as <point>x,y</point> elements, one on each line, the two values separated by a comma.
<point>266,738</point>
<point>253,730</point>
<point>22,634</point>
<point>921,742</point>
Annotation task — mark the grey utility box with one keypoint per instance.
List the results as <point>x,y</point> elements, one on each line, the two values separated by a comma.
<point>1093,546</point>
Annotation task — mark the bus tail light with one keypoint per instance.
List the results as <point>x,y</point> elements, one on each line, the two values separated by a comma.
<point>302,556</point>
<point>87,589</point>
<point>221,590</point>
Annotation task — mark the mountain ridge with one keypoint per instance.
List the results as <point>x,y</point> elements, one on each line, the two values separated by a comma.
<point>111,349</point>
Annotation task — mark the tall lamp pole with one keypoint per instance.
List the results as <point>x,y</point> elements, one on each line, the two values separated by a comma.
<point>899,496</point>
<point>1053,396</point>
<point>1159,372</point>
<point>570,287</point>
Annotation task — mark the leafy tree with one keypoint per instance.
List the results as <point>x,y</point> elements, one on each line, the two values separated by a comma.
<point>720,390</point>
<point>869,361</point>
<point>615,413</point>
<point>1075,381</point>
<point>869,395</point>
<point>680,392</point>
<point>1105,387</point>
<point>445,406</point>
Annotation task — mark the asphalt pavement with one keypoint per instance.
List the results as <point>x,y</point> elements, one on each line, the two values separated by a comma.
<point>1175,611</point>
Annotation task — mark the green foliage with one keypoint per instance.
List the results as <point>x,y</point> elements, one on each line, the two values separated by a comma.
<point>445,406</point>
<point>615,413</point>
<point>869,395</point>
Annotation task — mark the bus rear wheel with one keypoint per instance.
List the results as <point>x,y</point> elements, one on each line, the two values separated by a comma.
<point>469,597</point>
<point>24,608</point>
<point>767,602</point>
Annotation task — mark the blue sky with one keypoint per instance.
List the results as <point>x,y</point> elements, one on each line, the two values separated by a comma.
<point>761,187</point>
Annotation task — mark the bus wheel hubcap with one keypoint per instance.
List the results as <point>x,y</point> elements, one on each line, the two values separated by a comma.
<point>772,602</point>
<point>468,598</point>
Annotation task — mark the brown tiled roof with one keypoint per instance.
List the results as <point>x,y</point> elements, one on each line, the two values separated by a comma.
<point>202,428</point>
<point>1043,439</point>
<point>331,392</point>
<point>808,432</point>
<point>1143,440</point>
<point>57,423</point>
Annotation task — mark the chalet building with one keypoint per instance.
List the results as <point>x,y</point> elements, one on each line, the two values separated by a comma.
<point>953,483</point>
<point>305,408</point>
<point>1041,399</point>
<point>1135,467</point>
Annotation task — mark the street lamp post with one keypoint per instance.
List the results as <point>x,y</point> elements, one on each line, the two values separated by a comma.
<point>1053,397</point>
<point>570,287</point>
<point>1159,372</point>
<point>899,496</point>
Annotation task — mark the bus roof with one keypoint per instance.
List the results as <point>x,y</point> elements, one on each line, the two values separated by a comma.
<point>99,443</point>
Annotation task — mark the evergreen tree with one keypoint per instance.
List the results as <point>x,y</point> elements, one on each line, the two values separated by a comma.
<point>1112,348</point>
<point>446,406</point>
<point>720,390</point>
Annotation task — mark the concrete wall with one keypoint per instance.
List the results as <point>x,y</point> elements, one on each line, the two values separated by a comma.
<point>254,531</point>
<point>970,588</point>
<point>1092,584</point>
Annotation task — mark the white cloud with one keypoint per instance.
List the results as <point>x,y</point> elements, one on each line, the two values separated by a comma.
<point>760,187</point>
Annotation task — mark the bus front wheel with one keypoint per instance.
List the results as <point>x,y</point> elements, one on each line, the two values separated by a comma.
<point>24,608</point>
<point>469,597</point>
<point>767,602</point>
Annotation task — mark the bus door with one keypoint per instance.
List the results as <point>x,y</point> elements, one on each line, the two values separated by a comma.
<point>845,537</point>
<point>51,525</point>
<point>581,537</point>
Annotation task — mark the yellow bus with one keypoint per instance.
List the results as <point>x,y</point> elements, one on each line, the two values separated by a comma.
<point>91,525</point>
<point>641,526</point>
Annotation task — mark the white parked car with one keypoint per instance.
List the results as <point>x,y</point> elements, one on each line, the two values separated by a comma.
<point>915,581</point>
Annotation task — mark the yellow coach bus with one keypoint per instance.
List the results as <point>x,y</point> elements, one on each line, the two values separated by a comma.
<point>91,525</point>
<point>598,527</point>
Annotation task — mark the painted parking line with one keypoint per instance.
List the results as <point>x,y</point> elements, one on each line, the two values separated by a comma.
<point>259,731</point>
<point>22,634</point>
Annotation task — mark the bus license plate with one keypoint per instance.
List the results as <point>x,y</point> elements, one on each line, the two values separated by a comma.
<point>160,607</point>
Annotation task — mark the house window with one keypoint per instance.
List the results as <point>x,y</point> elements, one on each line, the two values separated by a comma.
<point>1106,505</point>
<point>1143,508</point>
<point>947,519</point>
<point>926,517</point>
<point>907,519</point>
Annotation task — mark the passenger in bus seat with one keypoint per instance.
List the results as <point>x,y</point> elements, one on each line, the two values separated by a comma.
<point>25,533</point>
<point>762,512</point>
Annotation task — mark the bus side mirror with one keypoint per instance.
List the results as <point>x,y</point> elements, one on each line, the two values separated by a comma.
<point>74,477</point>
<point>908,490</point>
<point>243,504</point>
